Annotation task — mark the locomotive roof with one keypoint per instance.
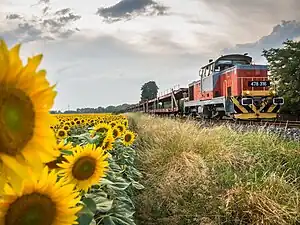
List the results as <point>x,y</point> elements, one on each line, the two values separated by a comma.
<point>230,56</point>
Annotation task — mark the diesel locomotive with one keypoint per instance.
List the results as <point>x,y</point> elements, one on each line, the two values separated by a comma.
<point>229,87</point>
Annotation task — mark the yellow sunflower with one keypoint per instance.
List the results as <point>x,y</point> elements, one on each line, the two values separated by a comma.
<point>125,122</point>
<point>121,127</point>
<point>102,127</point>
<point>25,101</point>
<point>128,138</point>
<point>116,133</point>
<point>61,134</point>
<point>42,201</point>
<point>85,167</point>
<point>62,146</point>
<point>112,124</point>
<point>59,147</point>
<point>66,127</point>
<point>108,142</point>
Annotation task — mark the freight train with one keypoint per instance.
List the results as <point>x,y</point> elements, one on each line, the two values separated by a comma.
<point>229,87</point>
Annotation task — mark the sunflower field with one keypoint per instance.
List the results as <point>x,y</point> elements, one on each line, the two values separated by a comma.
<point>59,169</point>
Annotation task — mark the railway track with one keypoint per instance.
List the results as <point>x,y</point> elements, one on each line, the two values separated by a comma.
<point>287,124</point>
<point>212,122</point>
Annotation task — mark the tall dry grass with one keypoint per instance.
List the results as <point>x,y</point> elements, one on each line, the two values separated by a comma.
<point>197,175</point>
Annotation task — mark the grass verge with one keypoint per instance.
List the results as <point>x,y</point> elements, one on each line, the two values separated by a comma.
<point>217,175</point>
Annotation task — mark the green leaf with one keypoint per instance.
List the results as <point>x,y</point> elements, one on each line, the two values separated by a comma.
<point>105,181</point>
<point>137,185</point>
<point>90,203</point>
<point>85,216</point>
<point>120,185</point>
<point>85,219</point>
<point>67,152</point>
<point>108,221</point>
<point>126,200</point>
<point>105,206</point>
<point>118,220</point>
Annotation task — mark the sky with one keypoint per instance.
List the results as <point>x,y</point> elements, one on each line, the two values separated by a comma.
<point>100,53</point>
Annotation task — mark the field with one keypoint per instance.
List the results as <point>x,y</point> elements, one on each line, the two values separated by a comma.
<point>196,175</point>
<point>59,169</point>
<point>90,180</point>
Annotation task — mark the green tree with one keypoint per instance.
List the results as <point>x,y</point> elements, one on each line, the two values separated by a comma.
<point>284,66</point>
<point>149,91</point>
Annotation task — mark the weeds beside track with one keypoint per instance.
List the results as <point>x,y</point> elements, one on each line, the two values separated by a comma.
<point>215,175</point>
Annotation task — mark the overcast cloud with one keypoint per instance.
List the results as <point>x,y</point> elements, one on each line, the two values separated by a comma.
<point>100,53</point>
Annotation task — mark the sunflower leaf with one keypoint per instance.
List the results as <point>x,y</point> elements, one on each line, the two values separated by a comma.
<point>105,206</point>
<point>85,219</point>
<point>118,219</point>
<point>108,221</point>
<point>90,203</point>
<point>67,152</point>
<point>137,185</point>
<point>85,216</point>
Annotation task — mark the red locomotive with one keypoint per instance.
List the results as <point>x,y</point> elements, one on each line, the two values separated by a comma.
<point>230,86</point>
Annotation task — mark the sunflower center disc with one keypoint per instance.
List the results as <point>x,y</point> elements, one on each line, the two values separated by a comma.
<point>127,137</point>
<point>61,133</point>
<point>84,168</point>
<point>115,133</point>
<point>102,130</point>
<point>16,120</point>
<point>31,209</point>
<point>106,144</point>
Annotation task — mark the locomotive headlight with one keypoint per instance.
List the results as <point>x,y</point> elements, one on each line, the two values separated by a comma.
<point>272,92</point>
<point>278,101</point>
<point>247,101</point>
<point>247,92</point>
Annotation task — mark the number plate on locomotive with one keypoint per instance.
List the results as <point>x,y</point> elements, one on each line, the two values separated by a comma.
<point>259,83</point>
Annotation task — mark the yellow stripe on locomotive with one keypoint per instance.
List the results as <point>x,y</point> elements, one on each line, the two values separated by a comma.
<point>256,105</point>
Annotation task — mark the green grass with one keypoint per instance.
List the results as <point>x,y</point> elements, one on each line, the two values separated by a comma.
<point>196,175</point>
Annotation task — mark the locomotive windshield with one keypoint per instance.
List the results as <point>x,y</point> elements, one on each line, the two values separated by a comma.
<point>223,63</point>
<point>230,61</point>
<point>233,62</point>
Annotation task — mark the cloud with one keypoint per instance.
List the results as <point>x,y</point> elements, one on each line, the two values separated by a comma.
<point>13,16</point>
<point>200,22</point>
<point>280,33</point>
<point>48,26</point>
<point>265,9</point>
<point>127,9</point>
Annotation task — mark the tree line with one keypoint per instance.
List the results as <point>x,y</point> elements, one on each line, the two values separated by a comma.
<point>109,109</point>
